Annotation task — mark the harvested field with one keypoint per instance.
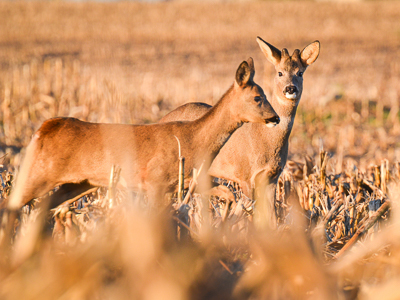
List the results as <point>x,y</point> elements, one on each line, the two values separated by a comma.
<point>134,62</point>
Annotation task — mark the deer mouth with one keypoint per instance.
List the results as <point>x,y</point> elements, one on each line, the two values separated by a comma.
<point>291,96</point>
<point>291,92</point>
<point>272,122</point>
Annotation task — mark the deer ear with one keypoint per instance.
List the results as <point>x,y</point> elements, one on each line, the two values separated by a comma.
<point>310,53</point>
<point>250,62</point>
<point>273,54</point>
<point>243,74</point>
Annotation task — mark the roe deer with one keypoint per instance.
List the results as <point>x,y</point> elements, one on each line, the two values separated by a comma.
<point>67,151</point>
<point>255,156</point>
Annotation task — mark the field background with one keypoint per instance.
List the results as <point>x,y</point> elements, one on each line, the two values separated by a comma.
<point>133,63</point>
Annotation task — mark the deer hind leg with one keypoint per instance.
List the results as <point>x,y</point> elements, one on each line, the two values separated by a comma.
<point>20,195</point>
<point>27,190</point>
<point>30,181</point>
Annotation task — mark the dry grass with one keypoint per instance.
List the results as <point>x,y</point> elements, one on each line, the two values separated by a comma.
<point>132,63</point>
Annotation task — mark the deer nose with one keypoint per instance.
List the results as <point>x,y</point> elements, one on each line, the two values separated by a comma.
<point>271,122</point>
<point>275,120</point>
<point>290,89</point>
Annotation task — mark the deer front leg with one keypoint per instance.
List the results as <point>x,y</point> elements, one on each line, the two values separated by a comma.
<point>264,192</point>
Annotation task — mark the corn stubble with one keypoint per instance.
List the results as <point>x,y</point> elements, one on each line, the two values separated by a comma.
<point>109,245</point>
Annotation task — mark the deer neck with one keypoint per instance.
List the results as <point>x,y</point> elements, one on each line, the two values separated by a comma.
<point>286,109</point>
<point>214,129</point>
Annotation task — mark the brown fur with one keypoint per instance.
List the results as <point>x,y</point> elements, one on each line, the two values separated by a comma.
<point>70,151</point>
<point>255,155</point>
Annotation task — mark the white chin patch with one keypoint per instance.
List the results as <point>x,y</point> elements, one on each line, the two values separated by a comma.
<point>271,125</point>
<point>291,96</point>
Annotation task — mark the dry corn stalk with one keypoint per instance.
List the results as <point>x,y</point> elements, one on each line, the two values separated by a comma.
<point>181,173</point>
<point>114,179</point>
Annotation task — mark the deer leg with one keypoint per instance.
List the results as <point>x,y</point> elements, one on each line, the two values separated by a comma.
<point>265,194</point>
<point>156,197</point>
<point>270,199</point>
<point>24,192</point>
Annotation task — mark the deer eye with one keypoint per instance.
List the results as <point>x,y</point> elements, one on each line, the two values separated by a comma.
<point>300,74</point>
<point>258,99</point>
<point>280,74</point>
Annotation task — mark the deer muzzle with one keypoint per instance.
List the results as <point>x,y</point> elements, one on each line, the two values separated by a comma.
<point>272,122</point>
<point>291,92</point>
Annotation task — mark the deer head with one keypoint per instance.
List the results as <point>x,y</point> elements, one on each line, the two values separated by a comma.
<point>251,95</point>
<point>288,81</point>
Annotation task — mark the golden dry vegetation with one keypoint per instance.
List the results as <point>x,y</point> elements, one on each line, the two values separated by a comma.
<point>134,62</point>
